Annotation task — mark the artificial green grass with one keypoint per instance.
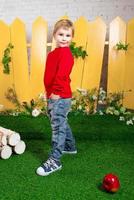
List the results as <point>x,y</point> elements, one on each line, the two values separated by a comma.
<point>84,127</point>
<point>104,145</point>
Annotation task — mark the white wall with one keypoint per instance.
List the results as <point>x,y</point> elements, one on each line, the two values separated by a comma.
<point>51,10</point>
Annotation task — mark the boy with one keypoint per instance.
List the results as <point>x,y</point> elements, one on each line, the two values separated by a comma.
<point>57,84</point>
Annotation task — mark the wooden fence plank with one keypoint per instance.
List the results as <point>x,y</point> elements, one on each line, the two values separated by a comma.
<point>20,60</point>
<point>80,38</point>
<point>116,58</point>
<point>95,51</point>
<point>6,80</point>
<point>129,67</point>
<point>38,56</point>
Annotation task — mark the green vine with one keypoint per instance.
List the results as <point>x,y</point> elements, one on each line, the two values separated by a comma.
<point>12,97</point>
<point>7,58</point>
<point>121,46</point>
<point>77,51</point>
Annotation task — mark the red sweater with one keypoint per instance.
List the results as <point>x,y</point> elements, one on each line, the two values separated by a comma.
<point>57,80</point>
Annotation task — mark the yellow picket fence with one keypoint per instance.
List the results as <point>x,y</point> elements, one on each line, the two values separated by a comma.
<point>28,60</point>
<point>121,63</point>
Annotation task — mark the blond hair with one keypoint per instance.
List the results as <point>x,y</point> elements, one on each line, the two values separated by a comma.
<point>65,23</point>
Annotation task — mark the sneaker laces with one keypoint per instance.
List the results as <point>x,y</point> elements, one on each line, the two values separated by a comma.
<point>49,163</point>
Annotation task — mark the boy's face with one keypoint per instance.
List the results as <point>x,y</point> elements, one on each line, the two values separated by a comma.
<point>63,37</point>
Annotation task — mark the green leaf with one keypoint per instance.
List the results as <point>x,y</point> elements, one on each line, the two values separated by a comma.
<point>77,51</point>
<point>7,58</point>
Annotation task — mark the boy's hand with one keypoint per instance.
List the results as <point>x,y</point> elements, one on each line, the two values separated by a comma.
<point>54,96</point>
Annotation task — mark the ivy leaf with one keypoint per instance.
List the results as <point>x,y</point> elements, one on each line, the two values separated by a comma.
<point>77,51</point>
<point>7,58</point>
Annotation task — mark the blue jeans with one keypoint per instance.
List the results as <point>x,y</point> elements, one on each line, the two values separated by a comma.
<point>62,137</point>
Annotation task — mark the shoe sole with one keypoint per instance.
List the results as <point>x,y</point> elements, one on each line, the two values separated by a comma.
<point>69,152</point>
<point>47,173</point>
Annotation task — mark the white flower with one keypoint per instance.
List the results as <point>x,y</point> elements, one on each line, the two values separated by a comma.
<point>100,112</point>
<point>110,110</point>
<point>122,109</point>
<point>35,112</point>
<point>102,94</point>
<point>80,107</point>
<point>129,122</point>
<point>94,97</point>
<point>42,96</point>
<point>100,102</point>
<point>73,102</point>
<point>116,112</point>
<point>82,91</point>
<point>79,89</point>
<point>122,118</point>
<point>1,106</point>
<point>133,118</point>
<point>15,113</point>
<point>102,91</point>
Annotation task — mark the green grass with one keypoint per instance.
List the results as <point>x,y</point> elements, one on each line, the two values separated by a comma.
<point>104,145</point>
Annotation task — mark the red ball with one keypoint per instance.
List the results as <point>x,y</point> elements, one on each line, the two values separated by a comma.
<point>111,183</point>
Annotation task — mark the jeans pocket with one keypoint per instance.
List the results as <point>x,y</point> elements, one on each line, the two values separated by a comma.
<point>52,104</point>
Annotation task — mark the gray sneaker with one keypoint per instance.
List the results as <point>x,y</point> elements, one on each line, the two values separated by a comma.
<point>49,167</point>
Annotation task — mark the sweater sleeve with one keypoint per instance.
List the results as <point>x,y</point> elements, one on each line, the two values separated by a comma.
<point>64,69</point>
<point>48,76</point>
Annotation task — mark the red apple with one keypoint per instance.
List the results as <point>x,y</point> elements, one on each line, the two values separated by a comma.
<point>111,183</point>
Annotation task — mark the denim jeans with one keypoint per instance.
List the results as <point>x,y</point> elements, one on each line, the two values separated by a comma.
<point>62,137</point>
